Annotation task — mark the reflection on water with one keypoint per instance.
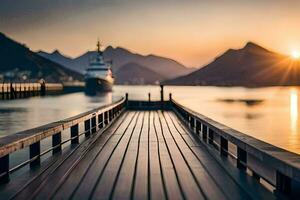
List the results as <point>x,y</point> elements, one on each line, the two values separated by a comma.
<point>248,102</point>
<point>270,114</point>
<point>294,111</point>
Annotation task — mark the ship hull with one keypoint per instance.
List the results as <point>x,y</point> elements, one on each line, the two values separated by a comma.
<point>98,84</point>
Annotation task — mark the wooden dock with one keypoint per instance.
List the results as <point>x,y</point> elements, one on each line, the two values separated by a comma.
<point>10,91</point>
<point>144,150</point>
<point>23,90</point>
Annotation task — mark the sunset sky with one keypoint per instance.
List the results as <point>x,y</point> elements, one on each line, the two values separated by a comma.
<point>190,31</point>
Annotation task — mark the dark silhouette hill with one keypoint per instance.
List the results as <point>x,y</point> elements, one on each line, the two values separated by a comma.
<point>57,57</point>
<point>17,61</point>
<point>164,66</point>
<point>250,66</point>
<point>135,74</point>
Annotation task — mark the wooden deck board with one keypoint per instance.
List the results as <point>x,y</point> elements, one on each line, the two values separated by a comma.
<point>143,155</point>
<point>233,189</point>
<point>76,177</point>
<point>140,189</point>
<point>105,183</point>
<point>189,187</point>
<point>124,183</point>
<point>156,183</point>
<point>205,182</point>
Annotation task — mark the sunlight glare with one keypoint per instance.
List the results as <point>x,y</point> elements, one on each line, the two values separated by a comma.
<point>295,54</point>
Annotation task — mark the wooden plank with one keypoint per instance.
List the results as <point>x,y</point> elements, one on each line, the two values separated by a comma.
<point>173,190</point>
<point>156,184</point>
<point>125,182</point>
<point>149,155</point>
<point>93,175</point>
<point>42,186</point>
<point>37,183</point>
<point>186,179</point>
<point>140,190</point>
<point>206,183</point>
<point>72,181</point>
<point>106,183</point>
<point>7,191</point>
<point>215,171</point>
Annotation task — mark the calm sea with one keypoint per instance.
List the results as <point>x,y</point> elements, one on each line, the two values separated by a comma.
<point>270,114</point>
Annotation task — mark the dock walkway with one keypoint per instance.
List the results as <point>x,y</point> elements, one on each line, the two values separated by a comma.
<point>140,154</point>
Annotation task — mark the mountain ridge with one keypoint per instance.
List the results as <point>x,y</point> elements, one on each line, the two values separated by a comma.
<point>252,66</point>
<point>135,74</point>
<point>121,56</point>
<point>17,61</point>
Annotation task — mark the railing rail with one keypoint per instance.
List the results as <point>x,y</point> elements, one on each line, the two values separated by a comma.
<point>276,166</point>
<point>93,120</point>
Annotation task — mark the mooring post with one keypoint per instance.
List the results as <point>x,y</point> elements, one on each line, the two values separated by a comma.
<point>170,101</point>
<point>126,99</point>
<point>43,88</point>
<point>162,96</point>
<point>149,97</point>
<point>12,91</point>
<point>161,93</point>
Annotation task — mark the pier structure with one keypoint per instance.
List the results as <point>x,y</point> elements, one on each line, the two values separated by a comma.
<point>10,91</point>
<point>137,150</point>
<point>24,90</point>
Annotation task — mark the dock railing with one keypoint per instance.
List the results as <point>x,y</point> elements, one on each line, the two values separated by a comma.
<point>30,140</point>
<point>267,163</point>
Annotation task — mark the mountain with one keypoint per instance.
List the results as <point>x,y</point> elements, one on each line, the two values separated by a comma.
<point>250,66</point>
<point>121,57</point>
<point>18,62</point>
<point>57,57</point>
<point>158,64</point>
<point>135,74</point>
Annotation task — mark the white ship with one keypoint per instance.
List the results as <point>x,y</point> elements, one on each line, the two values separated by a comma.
<point>99,76</point>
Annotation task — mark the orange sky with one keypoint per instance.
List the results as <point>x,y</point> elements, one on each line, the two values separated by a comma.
<point>192,31</point>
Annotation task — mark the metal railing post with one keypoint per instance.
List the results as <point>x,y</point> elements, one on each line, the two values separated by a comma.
<point>241,158</point>
<point>34,153</point>
<point>74,134</point>
<point>4,169</point>
<point>56,142</point>
<point>94,125</point>
<point>100,121</point>
<point>224,147</point>
<point>87,127</point>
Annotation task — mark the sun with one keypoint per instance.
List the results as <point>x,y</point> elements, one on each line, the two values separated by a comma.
<point>295,54</point>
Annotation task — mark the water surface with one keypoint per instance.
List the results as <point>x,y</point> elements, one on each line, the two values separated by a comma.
<point>269,114</point>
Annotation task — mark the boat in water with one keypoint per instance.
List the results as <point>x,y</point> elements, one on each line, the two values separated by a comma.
<point>99,76</point>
